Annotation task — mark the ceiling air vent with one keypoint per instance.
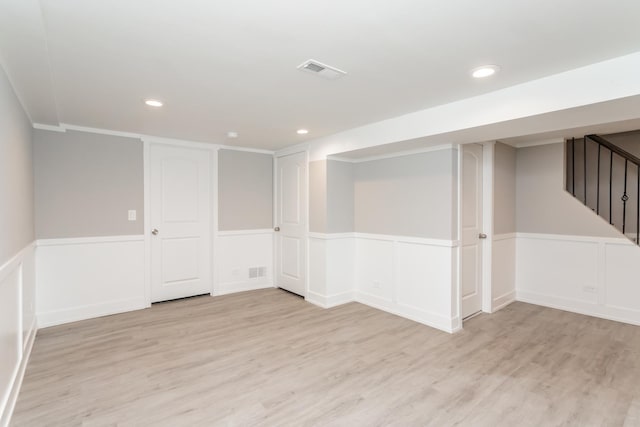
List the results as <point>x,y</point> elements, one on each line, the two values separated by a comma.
<point>320,69</point>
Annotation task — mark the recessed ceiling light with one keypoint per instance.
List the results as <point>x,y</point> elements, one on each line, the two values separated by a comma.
<point>302,131</point>
<point>484,71</point>
<point>153,102</point>
<point>232,134</point>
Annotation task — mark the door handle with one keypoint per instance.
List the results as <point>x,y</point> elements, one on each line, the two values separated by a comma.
<point>154,231</point>
<point>482,236</point>
<point>276,229</point>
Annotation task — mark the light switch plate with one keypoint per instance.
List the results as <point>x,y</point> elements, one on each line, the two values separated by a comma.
<point>132,215</point>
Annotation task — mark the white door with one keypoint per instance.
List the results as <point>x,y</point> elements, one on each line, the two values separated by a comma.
<point>291,222</point>
<point>180,214</point>
<point>471,251</point>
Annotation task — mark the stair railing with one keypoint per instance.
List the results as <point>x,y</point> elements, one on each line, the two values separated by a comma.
<point>606,149</point>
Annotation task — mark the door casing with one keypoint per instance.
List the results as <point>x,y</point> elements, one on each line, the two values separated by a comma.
<point>306,214</point>
<point>213,162</point>
<point>488,149</point>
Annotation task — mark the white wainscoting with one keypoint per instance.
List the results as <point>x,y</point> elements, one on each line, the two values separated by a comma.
<point>82,278</point>
<point>332,269</point>
<point>410,277</point>
<point>503,260</point>
<point>589,275</point>
<point>238,251</point>
<point>17,325</point>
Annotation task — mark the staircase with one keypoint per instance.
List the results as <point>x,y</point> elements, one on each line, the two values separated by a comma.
<point>606,178</point>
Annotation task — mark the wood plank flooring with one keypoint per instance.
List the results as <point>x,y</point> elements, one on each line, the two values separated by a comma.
<point>267,358</point>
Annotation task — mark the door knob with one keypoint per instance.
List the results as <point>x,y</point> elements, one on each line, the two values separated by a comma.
<point>276,229</point>
<point>154,231</point>
<point>482,236</point>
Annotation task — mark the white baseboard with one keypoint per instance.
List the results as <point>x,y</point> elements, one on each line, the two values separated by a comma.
<point>329,301</point>
<point>594,276</point>
<point>5,417</point>
<point>230,288</point>
<point>502,301</point>
<point>580,307</point>
<point>433,320</point>
<point>74,314</point>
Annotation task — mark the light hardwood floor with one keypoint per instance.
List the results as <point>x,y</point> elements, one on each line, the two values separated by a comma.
<point>267,358</point>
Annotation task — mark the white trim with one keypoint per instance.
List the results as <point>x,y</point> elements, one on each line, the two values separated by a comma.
<point>417,315</point>
<point>504,236</point>
<point>580,307</point>
<point>293,149</point>
<point>457,282</point>
<point>179,143</point>
<point>305,234</point>
<point>91,311</point>
<point>329,301</point>
<point>306,226</point>
<point>18,265</point>
<point>385,237</point>
<point>573,238</point>
<point>274,215</point>
<point>503,300</point>
<point>390,155</point>
<point>88,240</point>
<point>147,220</point>
<point>248,149</point>
<point>409,239</point>
<point>12,398</point>
<point>213,223</point>
<point>601,274</point>
<point>330,236</point>
<point>234,287</point>
<point>51,128</point>
<point>63,127</point>
<point>535,143</point>
<point>488,155</point>
<point>224,233</point>
<point>67,126</point>
<point>595,277</point>
<point>13,262</point>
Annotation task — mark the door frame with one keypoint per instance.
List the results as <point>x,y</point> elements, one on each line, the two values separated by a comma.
<point>305,236</point>
<point>213,194</point>
<point>488,149</point>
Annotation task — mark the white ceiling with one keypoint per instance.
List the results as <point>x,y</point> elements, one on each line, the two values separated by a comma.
<point>231,65</point>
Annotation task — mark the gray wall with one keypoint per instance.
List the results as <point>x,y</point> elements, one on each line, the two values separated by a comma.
<point>542,204</point>
<point>16,174</point>
<point>85,183</point>
<point>504,189</point>
<point>245,190</point>
<point>340,187</point>
<point>410,195</point>
<point>629,141</point>
<point>318,196</point>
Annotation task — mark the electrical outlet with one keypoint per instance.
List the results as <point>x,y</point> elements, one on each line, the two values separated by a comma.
<point>376,284</point>
<point>589,289</point>
<point>131,215</point>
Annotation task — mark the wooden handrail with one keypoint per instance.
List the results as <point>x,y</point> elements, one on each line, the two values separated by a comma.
<point>619,151</point>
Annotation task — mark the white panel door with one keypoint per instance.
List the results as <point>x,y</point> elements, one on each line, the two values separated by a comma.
<point>180,217</point>
<point>471,252</point>
<point>291,221</point>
